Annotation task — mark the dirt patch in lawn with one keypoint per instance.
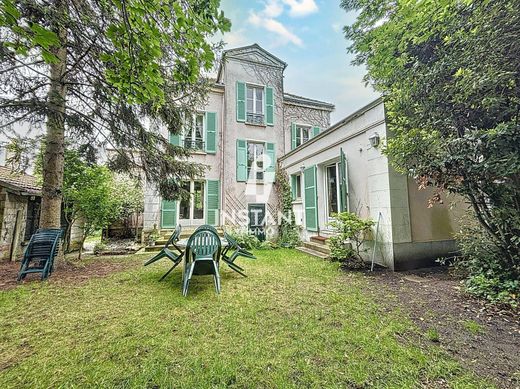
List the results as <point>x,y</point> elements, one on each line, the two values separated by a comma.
<point>483,337</point>
<point>67,271</point>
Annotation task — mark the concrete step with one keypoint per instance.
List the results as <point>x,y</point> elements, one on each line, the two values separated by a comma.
<point>322,248</point>
<point>312,252</point>
<point>153,248</point>
<point>319,239</point>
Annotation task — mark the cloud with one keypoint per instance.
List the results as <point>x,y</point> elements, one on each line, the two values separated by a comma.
<point>236,38</point>
<point>263,20</point>
<point>272,9</point>
<point>299,8</point>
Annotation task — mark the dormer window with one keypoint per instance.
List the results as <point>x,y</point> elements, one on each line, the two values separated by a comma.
<point>255,104</point>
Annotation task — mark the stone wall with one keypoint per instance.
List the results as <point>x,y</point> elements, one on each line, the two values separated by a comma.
<point>10,204</point>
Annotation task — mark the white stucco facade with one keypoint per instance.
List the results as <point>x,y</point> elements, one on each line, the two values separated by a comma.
<point>375,191</point>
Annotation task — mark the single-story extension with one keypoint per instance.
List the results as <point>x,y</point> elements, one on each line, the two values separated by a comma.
<point>344,169</point>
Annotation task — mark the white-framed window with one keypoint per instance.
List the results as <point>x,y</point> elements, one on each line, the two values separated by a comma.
<point>333,190</point>
<point>302,134</point>
<point>298,187</point>
<point>255,160</point>
<point>194,132</point>
<point>192,208</point>
<point>255,104</point>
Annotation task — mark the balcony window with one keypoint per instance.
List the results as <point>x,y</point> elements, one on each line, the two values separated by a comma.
<point>194,136</point>
<point>255,104</point>
<point>255,160</point>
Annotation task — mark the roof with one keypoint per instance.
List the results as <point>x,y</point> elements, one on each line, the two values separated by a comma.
<point>236,51</point>
<point>290,98</point>
<point>20,182</point>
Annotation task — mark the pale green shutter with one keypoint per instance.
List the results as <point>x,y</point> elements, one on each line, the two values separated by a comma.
<point>212,202</point>
<point>241,101</point>
<point>211,132</point>
<point>293,136</point>
<point>241,160</point>
<point>175,139</point>
<point>269,106</point>
<point>343,182</point>
<point>293,186</point>
<point>311,199</point>
<point>269,170</point>
<point>315,131</point>
<point>168,214</point>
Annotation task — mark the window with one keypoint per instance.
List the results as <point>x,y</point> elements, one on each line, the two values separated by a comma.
<point>192,208</point>
<point>255,160</point>
<point>332,190</point>
<point>255,104</point>
<point>302,134</point>
<point>298,187</point>
<point>194,136</point>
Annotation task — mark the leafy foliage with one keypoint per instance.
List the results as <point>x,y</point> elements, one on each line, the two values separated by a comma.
<point>288,233</point>
<point>244,238</point>
<point>350,234</point>
<point>110,74</point>
<point>449,72</point>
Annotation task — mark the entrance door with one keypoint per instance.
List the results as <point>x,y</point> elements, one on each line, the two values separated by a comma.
<point>191,210</point>
<point>257,220</point>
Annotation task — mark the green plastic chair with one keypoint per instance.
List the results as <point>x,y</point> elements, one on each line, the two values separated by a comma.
<point>202,258</point>
<point>40,253</point>
<point>232,252</point>
<point>174,255</point>
<point>207,227</point>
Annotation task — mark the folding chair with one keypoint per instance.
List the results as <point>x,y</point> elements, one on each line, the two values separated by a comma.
<point>174,256</point>
<point>232,252</point>
<point>40,253</point>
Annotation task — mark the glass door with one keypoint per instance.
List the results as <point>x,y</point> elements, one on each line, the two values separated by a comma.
<point>191,210</point>
<point>332,185</point>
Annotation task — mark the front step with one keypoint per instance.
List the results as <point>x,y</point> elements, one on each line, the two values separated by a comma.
<point>312,252</point>
<point>319,239</point>
<point>322,248</point>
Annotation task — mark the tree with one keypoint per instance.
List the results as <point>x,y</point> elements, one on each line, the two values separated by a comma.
<point>93,200</point>
<point>450,74</point>
<point>107,73</point>
<point>130,196</point>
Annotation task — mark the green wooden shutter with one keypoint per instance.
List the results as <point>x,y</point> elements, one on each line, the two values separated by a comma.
<point>241,160</point>
<point>212,202</point>
<point>175,139</point>
<point>343,182</point>
<point>241,101</point>
<point>315,131</point>
<point>311,199</point>
<point>269,170</point>
<point>293,186</point>
<point>168,214</point>
<point>269,106</point>
<point>211,132</point>
<point>293,136</point>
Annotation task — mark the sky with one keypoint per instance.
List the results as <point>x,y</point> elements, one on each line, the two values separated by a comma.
<point>308,35</point>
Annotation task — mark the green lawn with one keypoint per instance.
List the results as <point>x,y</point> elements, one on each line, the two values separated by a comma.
<point>295,321</point>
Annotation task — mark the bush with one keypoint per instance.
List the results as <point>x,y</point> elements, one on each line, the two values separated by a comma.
<point>486,273</point>
<point>351,232</point>
<point>249,241</point>
<point>288,231</point>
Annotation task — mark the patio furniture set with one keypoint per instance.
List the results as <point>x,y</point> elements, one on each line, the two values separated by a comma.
<point>202,253</point>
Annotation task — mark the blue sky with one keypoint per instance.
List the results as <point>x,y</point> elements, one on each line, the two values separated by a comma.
<point>307,34</point>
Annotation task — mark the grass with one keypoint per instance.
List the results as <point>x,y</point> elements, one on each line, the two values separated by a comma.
<point>295,321</point>
<point>473,327</point>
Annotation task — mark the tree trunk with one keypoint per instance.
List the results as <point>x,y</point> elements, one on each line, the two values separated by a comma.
<point>83,238</point>
<point>55,140</point>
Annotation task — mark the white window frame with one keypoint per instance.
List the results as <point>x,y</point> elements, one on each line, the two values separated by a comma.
<point>253,117</point>
<point>326,179</point>
<point>191,206</point>
<point>255,161</point>
<point>193,137</point>
<point>299,180</point>
<point>299,132</point>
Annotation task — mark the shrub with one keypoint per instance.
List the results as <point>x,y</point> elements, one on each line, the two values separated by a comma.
<point>99,247</point>
<point>288,231</point>
<point>487,274</point>
<point>245,238</point>
<point>351,232</point>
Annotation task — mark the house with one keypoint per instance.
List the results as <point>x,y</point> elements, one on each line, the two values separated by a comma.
<point>344,169</point>
<point>248,123</point>
<point>20,197</point>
